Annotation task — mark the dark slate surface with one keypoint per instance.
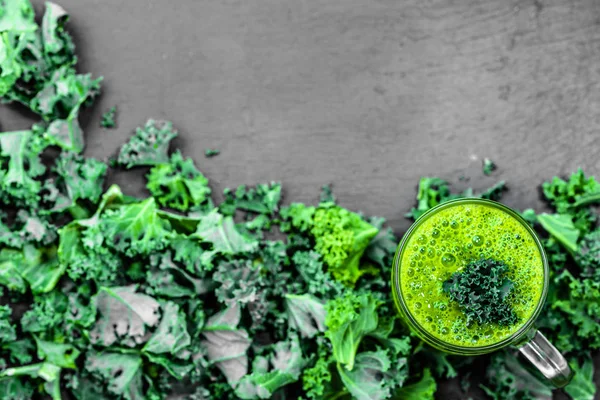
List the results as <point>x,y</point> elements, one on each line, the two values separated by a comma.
<point>369,94</point>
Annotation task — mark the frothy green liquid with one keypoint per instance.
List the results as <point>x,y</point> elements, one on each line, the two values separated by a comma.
<point>444,243</point>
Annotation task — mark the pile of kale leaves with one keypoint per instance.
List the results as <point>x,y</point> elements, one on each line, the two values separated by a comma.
<point>107,296</point>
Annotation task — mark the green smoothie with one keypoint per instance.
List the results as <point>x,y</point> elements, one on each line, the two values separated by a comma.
<point>445,241</point>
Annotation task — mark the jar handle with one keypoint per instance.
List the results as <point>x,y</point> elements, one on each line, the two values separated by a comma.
<point>547,359</point>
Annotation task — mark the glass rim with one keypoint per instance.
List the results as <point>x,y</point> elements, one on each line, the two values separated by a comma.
<point>439,343</point>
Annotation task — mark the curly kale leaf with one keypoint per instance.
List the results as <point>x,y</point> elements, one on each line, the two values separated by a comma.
<point>306,314</point>
<point>580,310</point>
<point>440,362</point>
<point>190,253</point>
<point>41,268</point>
<point>17,16</point>
<point>240,282</point>
<point>16,389</point>
<point>46,313</point>
<point>262,199</point>
<point>582,387</point>
<point>178,184</point>
<point>389,337</point>
<point>382,248</point>
<point>297,216</point>
<point>26,229</point>
<point>287,363</point>
<point>167,279</point>
<point>149,146</point>
<point>506,378</point>
<point>171,336</point>
<point>120,374</point>
<point>11,263</point>
<point>58,44</point>
<point>222,233</point>
<point>316,277</point>
<point>424,389</point>
<point>226,344</point>
<point>320,380</point>
<point>433,191</point>
<point>570,317</point>
<point>60,354</point>
<point>18,186</point>
<point>482,291</point>
<point>47,373</point>
<point>569,198</point>
<point>16,21</point>
<point>64,94</point>
<point>181,224</point>
<point>564,195</point>
<point>373,377</point>
<point>488,166</point>
<point>82,178</point>
<point>124,316</point>
<point>81,252</point>
<point>20,351</point>
<point>81,313</point>
<point>247,284</point>
<point>60,101</point>
<point>109,118</point>
<point>10,67</point>
<point>168,344</point>
<point>208,153</point>
<point>494,192</point>
<point>349,319</point>
<point>327,195</point>
<point>135,228</point>
<point>561,227</point>
<point>28,54</point>
<point>588,257</point>
<point>342,237</point>
<point>8,332</point>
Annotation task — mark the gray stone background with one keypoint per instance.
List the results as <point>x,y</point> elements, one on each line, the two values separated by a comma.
<point>368,94</point>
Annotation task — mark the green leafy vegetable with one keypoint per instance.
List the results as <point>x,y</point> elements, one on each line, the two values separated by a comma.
<point>135,228</point>
<point>124,316</point>
<point>306,314</point>
<point>582,387</point>
<point>364,380</point>
<point>421,390</point>
<point>508,379</point>
<point>488,166</point>
<point>482,291</point>
<point>287,363</point>
<point>178,184</point>
<point>62,355</point>
<point>109,118</point>
<point>433,191</point>
<point>223,235</point>
<point>149,146</point>
<point>340,236</point>
<point>211,152</point>
<point>226,345</point>
<point>8,331</point>
<point>82,178</point>
<point>262,199</point>
<point>120,373</point>
<point>563,195</point>
<point>561,227</point>
<point>349,319</point>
